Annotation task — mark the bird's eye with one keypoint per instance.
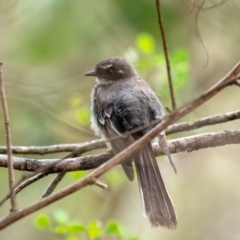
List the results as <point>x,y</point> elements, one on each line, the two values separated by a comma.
<point>110,70</point>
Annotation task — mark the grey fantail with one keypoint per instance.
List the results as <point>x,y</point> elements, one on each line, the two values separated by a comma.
<point>121,102</point>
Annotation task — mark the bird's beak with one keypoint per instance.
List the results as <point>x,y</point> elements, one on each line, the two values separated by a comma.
<point>91,73</point>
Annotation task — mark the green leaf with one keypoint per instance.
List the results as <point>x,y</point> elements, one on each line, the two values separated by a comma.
<point>61,230</point>
<point>181,69</point>
<point>83,115</point>
<point>113,227</point>
<point>145,43</point>
<point>61,216</point>
<point>42,221</point>
<point>75,227</point>
<point>94,230</point>
<point>77,175</point>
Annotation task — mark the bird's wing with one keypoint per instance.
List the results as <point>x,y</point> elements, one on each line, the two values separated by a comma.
<point>113,130</point>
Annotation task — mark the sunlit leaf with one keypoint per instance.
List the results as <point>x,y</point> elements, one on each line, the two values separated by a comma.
<point>113,227</point>
<point>145,42</point>
<point>75,227</point>
<point>77,174</point>
<point>42,221</point>
<point>94,230</point>
<point>83,115</point>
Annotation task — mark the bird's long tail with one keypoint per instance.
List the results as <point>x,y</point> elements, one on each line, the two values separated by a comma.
<point>157,204</point>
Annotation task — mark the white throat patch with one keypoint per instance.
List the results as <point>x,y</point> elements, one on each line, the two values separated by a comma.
<point>103,81</point>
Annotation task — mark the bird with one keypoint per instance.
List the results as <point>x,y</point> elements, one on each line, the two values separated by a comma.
<point>122,101</point>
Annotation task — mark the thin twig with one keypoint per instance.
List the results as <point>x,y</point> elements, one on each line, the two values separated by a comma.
<point>57,179</point>
<point>24,185</point>
<point>11,179</point>
<point>53,184</point>
<point>198,36</point>
<point>202,122</point>
<point>99,184</point>
<point>58,148</point>
<point>165,49</point>
<point>201,8</point>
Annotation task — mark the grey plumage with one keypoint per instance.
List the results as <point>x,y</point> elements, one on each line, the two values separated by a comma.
<point>121,102</point>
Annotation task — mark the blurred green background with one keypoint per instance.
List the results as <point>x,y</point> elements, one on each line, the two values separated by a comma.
<point>47,46</point>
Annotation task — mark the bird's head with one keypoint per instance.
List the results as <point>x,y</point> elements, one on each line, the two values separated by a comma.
<point>112,69</point>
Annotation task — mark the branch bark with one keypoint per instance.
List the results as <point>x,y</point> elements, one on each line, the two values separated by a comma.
<point>165,49</point>
<point>186,144</point>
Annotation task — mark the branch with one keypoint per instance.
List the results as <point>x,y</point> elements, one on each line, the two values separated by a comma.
<point>165,49</point>
<point>52,185</point>
<point>98,144</point>
<point>57,179</point>
<point>83,147</point>
<point>202,122</point>
<point>23,185</point>
<point>166,121</point>
<point>56,166</point>
<point>186,144</point>
<point>8,143</point>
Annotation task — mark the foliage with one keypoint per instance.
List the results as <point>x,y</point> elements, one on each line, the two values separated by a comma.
<point>148,60</point>
<point>60,224</point>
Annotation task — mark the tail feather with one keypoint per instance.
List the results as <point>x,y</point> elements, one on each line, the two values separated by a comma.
<point>157,204</point>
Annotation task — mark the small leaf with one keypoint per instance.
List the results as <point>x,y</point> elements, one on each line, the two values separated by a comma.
<point>77,175</point>
<point>42,221</point>
<point>83,115</point>
<point>61,216</point>
<point>113,227</point>
<point>145,42</point>
<point>94,230</point>
<point>75,227</point>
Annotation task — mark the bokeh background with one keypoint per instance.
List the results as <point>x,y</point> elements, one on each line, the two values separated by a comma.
<point>47,46</point>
